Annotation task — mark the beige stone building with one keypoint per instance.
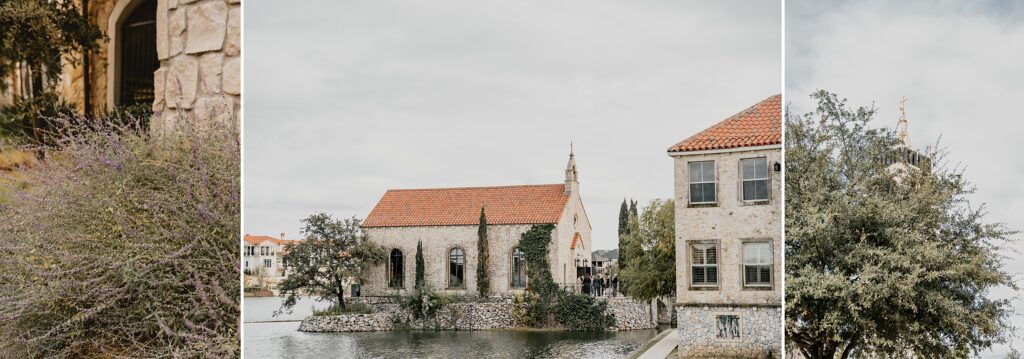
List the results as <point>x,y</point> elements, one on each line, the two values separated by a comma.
<point>729,235</point>
<point>183,57</point>
<point>446,220</point>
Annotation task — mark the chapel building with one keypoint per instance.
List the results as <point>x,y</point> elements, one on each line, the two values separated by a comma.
<point>446,221</point>
<point>728,209</point>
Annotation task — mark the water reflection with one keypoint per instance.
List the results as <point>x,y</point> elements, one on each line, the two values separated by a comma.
<point>282,340</point>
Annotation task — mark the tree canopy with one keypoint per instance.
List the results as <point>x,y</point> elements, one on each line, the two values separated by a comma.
<point>650,239</point>
<point>334,253</point>
<point>881,258</point>
<point>40,33</point>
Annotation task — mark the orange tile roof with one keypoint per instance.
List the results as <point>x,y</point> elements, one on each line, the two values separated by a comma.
<point>526,204</point>
<point>758,125</point>
<point>251,239</point>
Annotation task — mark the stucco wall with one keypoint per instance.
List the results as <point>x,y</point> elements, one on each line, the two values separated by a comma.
<point>730,222</point>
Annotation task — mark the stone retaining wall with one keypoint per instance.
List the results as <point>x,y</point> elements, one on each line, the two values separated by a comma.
<point>630,314</point>
<point>491,313</point>
<point>758,332</point>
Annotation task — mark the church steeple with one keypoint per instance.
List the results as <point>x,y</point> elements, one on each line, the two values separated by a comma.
<point>902,127</point>
<point>572,178</point>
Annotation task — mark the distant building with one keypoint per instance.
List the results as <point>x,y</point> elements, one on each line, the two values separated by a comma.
<point>729,235</point>
<point>446,221</point>
<point>264,255</point>
<point>600,264</point>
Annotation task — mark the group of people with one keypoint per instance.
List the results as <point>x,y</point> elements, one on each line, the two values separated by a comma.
<point>599,285</point>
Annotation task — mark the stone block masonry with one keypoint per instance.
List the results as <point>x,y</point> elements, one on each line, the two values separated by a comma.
<point>199,47</point>
<point>485,314</point>
<point>729,331</point>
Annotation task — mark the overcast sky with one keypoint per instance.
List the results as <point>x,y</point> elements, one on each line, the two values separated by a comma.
<point>958,63</point>
<point>346,99</point>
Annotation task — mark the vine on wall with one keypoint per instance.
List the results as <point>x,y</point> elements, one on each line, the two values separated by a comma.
<point>573,311</point>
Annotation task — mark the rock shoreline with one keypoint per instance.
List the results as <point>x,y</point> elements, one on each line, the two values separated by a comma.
<point>486,314</point>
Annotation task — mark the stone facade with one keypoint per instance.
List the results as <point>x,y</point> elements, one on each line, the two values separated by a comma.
<point>760,333</point>
<point>713,282</point>
<point>199,47</point>
<point>499,312</point>
<point>198,44</point>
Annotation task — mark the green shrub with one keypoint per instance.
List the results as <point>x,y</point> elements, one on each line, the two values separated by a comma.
<point>581,312</point>
<point>350,308</point>
<point>424,303</point>
<point>124,244</point>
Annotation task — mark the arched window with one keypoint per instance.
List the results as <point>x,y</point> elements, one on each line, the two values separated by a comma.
<point>396,269</point>
<point>137,55</point>
<point>456,268</point>
<point>518,268</point>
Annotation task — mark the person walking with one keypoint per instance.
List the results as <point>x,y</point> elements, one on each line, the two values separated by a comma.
<point>615,285</point>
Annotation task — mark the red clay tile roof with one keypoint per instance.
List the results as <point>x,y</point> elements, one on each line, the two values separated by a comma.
<point>251,239</point>
<point>527,204</point>
<point>758,125</point>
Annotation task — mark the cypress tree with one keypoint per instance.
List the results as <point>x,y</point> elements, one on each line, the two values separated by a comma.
<point>483,283</point>
<point>623,222</point>
<point>419,266</point>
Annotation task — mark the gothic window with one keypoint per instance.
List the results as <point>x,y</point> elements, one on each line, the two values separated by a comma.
<point>703,185</point>
<point>704,264</point>
<point>518,268</point>
<point>396,269</point>
<point>137,54</point>
<point>757,264</point>
<point>456,268</point>
<point>755,178</point>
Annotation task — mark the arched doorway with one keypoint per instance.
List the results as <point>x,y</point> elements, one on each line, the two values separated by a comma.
<point>137,55</point>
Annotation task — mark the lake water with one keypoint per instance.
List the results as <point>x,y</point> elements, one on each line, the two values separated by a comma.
<point>265,340</point>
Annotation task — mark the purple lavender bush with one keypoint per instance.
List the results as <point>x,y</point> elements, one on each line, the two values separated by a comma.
<point>124,243</point>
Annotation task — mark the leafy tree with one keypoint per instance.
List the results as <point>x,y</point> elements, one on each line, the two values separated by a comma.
<point>887,261</point>
<point>632,209</point>
<point>420,280</point>
<point>623,222</point>
<point>651,270</point>
<point>40,34</point>
<point>334,251</point>
<point>483,284</point>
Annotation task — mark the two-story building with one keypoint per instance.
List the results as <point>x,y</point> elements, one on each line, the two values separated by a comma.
<point>729,235</point>
<point>262,257</point>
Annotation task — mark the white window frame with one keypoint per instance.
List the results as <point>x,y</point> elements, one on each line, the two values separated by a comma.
<point>268,263</point>
<point>767,179</point>
<point>717,265</point>
<point>746,263</point>
<point>690,183</point>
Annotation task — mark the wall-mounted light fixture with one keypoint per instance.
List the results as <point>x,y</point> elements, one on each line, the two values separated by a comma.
<point>778,167</point>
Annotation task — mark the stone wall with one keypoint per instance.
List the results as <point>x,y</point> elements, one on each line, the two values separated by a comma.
<point>199,47</point>
<point>630,314</point>
<point>485,314</point>
<point>760,332</point>
<point>438,241</point>
<point>728,223</point>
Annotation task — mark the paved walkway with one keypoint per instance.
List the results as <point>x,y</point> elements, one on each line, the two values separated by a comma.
<point>664,346</point>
